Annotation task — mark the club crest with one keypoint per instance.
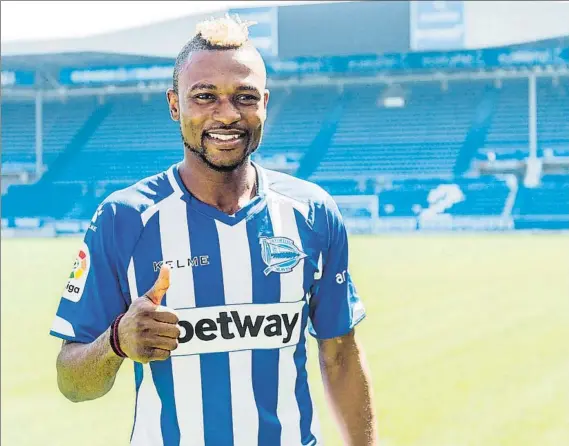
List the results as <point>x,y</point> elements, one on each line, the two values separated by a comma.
<point>280,254</point>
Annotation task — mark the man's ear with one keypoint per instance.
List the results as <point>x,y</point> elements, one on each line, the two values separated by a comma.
<point>266,97</point>
<point>173,104</point>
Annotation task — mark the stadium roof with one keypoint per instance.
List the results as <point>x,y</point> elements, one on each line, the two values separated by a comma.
<point>162,39</point>
<point>57,61</point>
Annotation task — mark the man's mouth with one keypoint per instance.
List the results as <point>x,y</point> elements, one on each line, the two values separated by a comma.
<point>225,137</point>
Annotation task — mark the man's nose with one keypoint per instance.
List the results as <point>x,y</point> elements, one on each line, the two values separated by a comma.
<point>226,112</point>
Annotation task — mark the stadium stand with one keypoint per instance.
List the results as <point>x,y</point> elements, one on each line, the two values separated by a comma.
<point>412,148</point>
<point>508,135</point>
<point>508,131</point>
<point>296,117</point>
<point>136,139</point>
<point>553,115</point>
<point>17,133</point>
<point>424,137</point>
<point>62,121</point>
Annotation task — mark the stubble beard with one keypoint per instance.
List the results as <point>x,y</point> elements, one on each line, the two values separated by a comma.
<point>201,153</point>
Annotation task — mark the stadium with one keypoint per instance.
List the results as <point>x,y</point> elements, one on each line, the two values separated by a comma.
<point>446,147</point>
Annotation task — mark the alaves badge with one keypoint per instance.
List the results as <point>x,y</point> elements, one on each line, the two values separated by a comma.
<point>280,254</point>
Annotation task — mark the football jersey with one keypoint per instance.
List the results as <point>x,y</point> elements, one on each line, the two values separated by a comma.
<point>248,288</point>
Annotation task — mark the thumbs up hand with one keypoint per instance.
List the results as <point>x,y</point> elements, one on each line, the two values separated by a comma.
<point>158,290</point>
<point>148,331</point>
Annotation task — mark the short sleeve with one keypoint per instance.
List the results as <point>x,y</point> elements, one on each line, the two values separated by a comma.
<point>335,307</point>
<point>93,295</point>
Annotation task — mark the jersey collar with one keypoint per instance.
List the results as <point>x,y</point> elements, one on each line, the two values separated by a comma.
<point>254,206</point>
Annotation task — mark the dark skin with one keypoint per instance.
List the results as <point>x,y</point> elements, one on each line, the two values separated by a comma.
<point>220,92</point>
<point>147,332</point>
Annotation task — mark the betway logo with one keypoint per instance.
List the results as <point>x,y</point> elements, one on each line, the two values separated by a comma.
<point>239,327</point>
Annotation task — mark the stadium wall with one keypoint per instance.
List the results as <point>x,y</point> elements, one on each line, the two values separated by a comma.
<point>499,23</point>
<point>344,29</point>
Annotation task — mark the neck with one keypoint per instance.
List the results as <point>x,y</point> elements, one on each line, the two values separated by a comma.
<point>226,191</point>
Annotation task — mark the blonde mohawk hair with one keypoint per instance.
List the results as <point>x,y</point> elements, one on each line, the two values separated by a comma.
<point>224,31</point>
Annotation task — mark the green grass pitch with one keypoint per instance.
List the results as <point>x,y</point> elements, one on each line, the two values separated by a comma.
<point>467,337</point>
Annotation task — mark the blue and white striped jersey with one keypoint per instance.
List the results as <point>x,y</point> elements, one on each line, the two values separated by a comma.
<point>247,289</point>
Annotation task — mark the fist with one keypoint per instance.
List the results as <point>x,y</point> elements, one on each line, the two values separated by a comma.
<point>148,331</point>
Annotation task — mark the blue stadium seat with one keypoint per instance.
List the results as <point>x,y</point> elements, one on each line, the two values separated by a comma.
<point>295,117</point>
<point>423,137</point>
<point>509,127</point>
<point>61,121</point>
<point>508,136</point>
<point>478,197</point>
<point>135,140</point>
<point>553,114</point>
<point>550,198</point>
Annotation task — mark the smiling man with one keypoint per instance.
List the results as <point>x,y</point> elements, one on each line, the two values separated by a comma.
<point>210,275</point>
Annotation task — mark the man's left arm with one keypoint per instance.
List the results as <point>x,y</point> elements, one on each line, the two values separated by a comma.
<point>335,309</point>
<point>348,389</point>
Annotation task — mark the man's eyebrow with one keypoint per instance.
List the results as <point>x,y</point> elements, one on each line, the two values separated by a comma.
<point>202,86</point>
<point>248,88</point>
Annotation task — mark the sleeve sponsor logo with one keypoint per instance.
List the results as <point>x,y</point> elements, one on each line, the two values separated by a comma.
<point>78,277</point>
<point>341,277</point>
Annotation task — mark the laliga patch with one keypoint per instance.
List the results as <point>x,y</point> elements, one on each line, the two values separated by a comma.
<point>78,277</point>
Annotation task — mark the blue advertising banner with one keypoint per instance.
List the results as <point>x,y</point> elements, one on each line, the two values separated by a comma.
<point>437,25</point>
<point>450,59</point>
<point>357,65</point>
<point>18,78</point>
<point>529,57</point>
<point>116,75</point>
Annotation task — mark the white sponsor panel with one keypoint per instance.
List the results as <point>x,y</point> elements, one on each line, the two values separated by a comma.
<point>452,223</point>
<point>230,328</point>
<point>68,226</point>
<point>28,223</point>
<point>8,78</point>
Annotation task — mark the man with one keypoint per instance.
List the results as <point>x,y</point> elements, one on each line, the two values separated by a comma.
<point>209,276</point>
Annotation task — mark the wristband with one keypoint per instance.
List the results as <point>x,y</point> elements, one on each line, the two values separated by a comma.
<point>114,337</point>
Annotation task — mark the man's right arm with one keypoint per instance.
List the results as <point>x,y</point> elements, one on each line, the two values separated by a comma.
<point>87,371</point>
<point>147,332</point>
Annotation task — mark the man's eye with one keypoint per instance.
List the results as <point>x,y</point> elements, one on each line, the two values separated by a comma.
<point>247,98</point>
<point>204,96</point>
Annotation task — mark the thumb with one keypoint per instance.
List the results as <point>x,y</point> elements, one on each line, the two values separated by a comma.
<point>156,293</point>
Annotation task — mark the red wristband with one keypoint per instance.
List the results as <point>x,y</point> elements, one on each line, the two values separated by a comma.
<point>114,337</point>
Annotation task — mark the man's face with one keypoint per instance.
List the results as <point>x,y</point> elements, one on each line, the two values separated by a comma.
<point>221,105</point>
